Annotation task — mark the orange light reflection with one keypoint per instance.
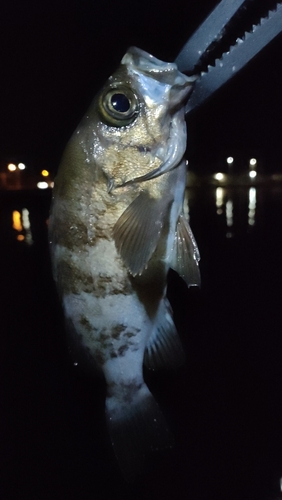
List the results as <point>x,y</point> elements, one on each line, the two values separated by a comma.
<point>17,224</point>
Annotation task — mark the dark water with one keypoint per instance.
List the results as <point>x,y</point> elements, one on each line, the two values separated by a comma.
<point>224,407</point>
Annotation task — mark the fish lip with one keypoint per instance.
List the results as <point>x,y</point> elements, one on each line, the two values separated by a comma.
<point>143,62</point>
<point>147,62</point>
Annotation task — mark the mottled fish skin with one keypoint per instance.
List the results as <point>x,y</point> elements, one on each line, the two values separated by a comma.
<point>116,227</point>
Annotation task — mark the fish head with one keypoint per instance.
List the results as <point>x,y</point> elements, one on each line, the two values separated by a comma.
<point>127,130</point>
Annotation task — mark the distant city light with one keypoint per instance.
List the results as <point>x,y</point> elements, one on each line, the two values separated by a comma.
<point>219,176</point>
<point>45,173</point>
<point>51,185</point>
<point>42,185</point>
<point>12,167</point>
<point>252,174</point>
<point>20,237</point>
<point>21,166</point>
<point>253,162</point>
<point>230,160</point>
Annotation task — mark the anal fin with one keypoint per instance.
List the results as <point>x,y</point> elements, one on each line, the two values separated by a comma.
<point>186,256</point>
<point>164,349</point>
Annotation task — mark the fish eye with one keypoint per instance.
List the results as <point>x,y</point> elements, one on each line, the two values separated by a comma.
<point>118,106</point>
<point>120,103</point>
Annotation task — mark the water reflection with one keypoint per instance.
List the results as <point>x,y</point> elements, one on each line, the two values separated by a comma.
<point>21,224</point>
<point>252,206</point>
<point>219,199</point>
<point>229,213</point>
<point>17,225</point>
<point>232,202</point>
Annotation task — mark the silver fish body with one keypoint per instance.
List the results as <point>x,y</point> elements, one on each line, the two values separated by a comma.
<point>116,227</point>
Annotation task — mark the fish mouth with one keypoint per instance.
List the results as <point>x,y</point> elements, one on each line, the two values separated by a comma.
<point>150,65</point>
<point>141,62</point>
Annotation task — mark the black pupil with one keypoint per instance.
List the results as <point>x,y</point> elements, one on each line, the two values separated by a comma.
<point>120,103</point>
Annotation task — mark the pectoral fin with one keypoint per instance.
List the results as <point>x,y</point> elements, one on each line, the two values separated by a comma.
<point>185,260</point>
<point>137,231</point>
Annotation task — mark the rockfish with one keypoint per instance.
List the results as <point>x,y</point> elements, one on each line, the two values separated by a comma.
<point>116,227</point>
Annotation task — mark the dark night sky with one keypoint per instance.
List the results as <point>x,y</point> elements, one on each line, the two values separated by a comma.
<point>55,56</point>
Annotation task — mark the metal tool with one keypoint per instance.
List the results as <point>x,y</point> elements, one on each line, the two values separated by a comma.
<point>197,55</point>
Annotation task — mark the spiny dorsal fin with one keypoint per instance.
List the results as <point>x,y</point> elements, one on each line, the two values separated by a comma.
<point>186,256</point>
<point>137,231</point>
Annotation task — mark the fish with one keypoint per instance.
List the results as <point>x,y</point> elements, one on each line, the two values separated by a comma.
<point>116,227</point>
